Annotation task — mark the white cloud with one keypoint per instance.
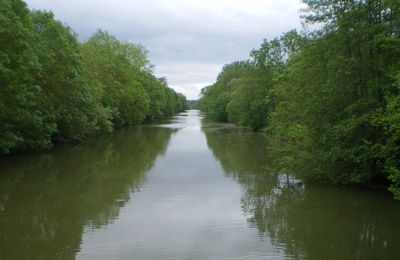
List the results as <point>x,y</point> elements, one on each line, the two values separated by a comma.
<point>189,77</point>
<point>188,40</point>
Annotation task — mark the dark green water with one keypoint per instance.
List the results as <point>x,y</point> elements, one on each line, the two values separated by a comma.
<point>183,190</point>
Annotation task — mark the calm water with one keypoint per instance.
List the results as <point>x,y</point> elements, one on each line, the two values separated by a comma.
<point>183,190</point>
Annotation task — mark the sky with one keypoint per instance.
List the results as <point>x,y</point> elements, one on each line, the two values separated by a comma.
<point>188,40</point>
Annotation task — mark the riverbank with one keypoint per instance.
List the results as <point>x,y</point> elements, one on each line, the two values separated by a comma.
<point>178,190</point>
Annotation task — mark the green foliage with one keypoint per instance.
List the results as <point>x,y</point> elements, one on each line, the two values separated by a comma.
<point>338,85</point>
<point>24,121</point>
<point>249,102</point>
<point>108,67</point>
<point>69,100</point>
<point>193,104</point>
<point>216,97</point>
<point>329,99</point>
<point>55,89</point>
<point>390,122</point>
<point>157,96</point>
<point>244,92</point>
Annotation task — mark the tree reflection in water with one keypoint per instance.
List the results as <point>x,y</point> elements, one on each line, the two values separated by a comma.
<point>47,200</point>
<point>308,221</point>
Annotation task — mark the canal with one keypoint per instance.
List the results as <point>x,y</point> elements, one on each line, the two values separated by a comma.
<point>183,189</point>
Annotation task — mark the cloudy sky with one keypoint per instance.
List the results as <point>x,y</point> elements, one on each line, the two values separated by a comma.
<point>189,40</point>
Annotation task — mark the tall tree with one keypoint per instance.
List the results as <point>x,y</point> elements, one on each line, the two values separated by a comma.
<point>111,69</point>
<point>24,121</point>
<point>69,99</point>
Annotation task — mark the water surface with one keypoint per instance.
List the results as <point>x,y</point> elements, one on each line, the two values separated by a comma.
<point>183,190</point>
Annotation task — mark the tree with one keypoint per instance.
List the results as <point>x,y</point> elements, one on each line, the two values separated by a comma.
<point>24,121</point>
<point>328,98</point>
<point>109,69</point>
<point>55,89</point>
<point>69,100</point>
<point>216,97</point>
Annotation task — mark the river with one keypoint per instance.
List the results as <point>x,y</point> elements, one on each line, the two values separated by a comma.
<point>184,189</point>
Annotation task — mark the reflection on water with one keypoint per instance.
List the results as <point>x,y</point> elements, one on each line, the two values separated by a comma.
<point>183,190</point>
<point>309,221</point>
<point>46,200</point>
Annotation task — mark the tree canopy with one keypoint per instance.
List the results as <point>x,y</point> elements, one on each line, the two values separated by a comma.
<point>55,88</point>
<point>329,98</point>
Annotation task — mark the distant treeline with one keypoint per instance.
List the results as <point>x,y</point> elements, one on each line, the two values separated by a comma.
<point>329,99</point>
<point>54,88</point>
<point>193,104</point>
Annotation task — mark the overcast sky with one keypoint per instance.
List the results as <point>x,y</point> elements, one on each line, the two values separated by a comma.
<point>189,40</point>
